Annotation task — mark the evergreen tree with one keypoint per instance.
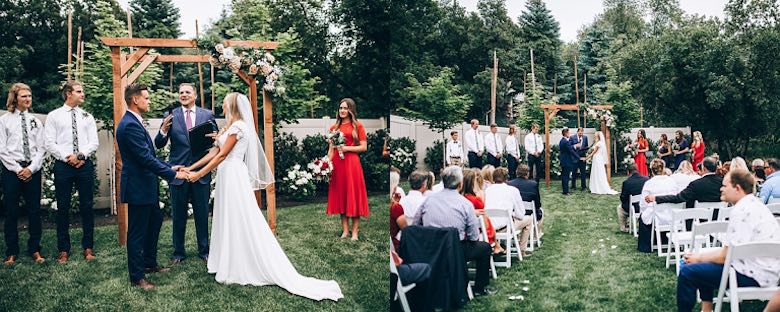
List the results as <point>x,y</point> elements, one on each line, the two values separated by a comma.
<point>540,31</point>
<point>155,19</point>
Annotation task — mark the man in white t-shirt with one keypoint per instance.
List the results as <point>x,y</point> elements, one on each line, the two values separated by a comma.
<point>750,221</point>
<point>412,201</point>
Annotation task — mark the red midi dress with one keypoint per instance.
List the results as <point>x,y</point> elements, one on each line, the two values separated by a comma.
<point>347,189</point>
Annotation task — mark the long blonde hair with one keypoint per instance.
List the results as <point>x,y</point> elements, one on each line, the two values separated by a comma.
<point>738,163</point>
<point>13,92</point>
<point>685,168</point>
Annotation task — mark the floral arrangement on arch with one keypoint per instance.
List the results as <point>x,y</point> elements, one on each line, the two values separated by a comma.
<point>603,115</point>
<point>252,62</point>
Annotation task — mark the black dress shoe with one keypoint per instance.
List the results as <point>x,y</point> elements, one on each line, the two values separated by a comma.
<point>176,261</point>
<point>485,292</point>
<point>205,259</point>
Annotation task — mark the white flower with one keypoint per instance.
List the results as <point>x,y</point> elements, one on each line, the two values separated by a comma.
<point>49,182</point>
<point>51,188</point>
<point>54,206</point>
<point>189,212</point>
<point>228,52</point>
<point>162,205</point>
<point>291,175</point>
<point>297,167</point>
<point>293,187</point>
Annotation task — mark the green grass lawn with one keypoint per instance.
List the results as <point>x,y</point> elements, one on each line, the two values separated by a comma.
<point>566,274</point>
<point>308,236</point>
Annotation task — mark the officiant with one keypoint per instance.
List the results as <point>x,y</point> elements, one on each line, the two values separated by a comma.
<point>176,128</point>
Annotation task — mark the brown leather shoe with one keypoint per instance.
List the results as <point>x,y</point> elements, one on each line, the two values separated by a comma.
<point>144,284</point>
<point>157,270</point>
<point>63,257</point>
<point>10,260</point>
<point>89,255</point>
<point>38,258</point>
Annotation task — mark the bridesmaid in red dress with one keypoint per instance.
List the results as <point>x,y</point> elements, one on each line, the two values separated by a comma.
<point>472,190</point>
<point>347,190</point>
<point>698,150</point>
<point>640,159</point>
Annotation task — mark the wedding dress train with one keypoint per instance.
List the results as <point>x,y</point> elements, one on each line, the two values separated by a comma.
<point>598,172</point>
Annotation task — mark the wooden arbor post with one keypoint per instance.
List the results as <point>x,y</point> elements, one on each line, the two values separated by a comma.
<point>122,64</point>
<point>550,110</point>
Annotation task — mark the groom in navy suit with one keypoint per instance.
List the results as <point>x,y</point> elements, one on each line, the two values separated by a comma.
<point>140,187</point>
<point>568,158</point>
<point>580,143</point>
<point>175,128</point>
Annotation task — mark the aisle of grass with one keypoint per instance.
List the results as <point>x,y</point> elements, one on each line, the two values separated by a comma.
<point>578,270</point>
<point>308,236</point>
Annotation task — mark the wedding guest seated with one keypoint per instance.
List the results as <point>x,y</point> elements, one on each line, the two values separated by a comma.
<point>436,187</point>
<point>750,221</point>
<point>668,172</point>
<point>502,196</point>
<point>472,190</point>
<point>738,163</point>
<point>487,176</point>
<point>529,191</point>
<point>631,186</point>
<point>658,185</point>
<point>395,179</point>
<point>684,175</point>
<point>418,183</point>
<point>771,187</point>
<point>757,168</point>
<point>704,189</point>
<point>448,208</point>
<point>397,223</point>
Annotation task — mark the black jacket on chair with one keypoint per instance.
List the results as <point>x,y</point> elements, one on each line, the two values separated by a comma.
<point>441,249</point>
<point>529,191</point>
<point>704,189</point>
<point>632,186</point>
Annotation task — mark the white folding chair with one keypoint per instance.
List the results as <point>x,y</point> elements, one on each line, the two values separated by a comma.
<point>633,214</point>
<point>535,237</point>
<point>679,238</point>
<point>484,237</point>
<point>656,229</point>
<point>721,207</point>
<point>706,235</point>
<point>774,208</point>
<point>401,290</point>
<point>774,200</point>
<point>509,236</point>
<point>736,293</point>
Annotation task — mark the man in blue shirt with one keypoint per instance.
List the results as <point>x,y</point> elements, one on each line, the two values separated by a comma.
<point>771,187</point>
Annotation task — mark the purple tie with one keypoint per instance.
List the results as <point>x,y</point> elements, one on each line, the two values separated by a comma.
<point>188,119</point>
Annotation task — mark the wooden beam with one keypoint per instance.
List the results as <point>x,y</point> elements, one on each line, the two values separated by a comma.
<point>134,58</point>
<point>268,45</point>
<point>200,69</point>
<point>182,59</point>
<point>121,215</point>
<point>141,68</point>
<point>547,147</point>
<point>149,42</point>
<point>493,86</point>
<point>268,136</point>
<point>70,41</point>
<point>572,106</point>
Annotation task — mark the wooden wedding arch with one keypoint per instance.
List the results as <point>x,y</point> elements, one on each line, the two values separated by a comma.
<point>124,74</point>
<point>550,110</point>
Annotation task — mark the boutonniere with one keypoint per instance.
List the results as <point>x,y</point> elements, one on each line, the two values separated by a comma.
<point>84,115</point>
<point>33,124</point>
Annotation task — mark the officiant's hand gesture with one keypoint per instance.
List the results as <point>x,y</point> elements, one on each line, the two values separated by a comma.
<point>166,124</point>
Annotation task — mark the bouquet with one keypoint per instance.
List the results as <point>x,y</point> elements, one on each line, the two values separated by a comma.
<point>321,168</point>
<point>338,139</point>
<point>631,149</point>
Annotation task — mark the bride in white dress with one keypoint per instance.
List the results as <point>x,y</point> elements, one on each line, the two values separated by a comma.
<point>243,249</point>
<point>598,169</point>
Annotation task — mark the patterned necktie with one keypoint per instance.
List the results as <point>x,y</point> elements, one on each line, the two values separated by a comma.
<point>188,119</point>
<point>25,138</point>
<point>536,147</point>
<point>495,142</point>
<point>74,130</point>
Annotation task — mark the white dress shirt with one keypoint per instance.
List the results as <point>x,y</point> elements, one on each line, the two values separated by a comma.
<point>411,202</point>
<point>184,114</point>
<point>12,138</point>
<point>503,196</point>
<point>493,144</point>
<point>474,142</point>
<point>454,149</point>
<point>682,180</point>
<point>59,133</point>
<point>658,186</point>
<point>533,143</point>
<point>511,146</point>
<point>751,221</point>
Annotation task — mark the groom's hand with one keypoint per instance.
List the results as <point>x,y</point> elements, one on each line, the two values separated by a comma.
<point>181,175</point>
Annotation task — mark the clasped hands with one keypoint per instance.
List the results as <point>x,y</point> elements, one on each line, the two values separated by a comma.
<point>184,173</point>
<point>74,161</point>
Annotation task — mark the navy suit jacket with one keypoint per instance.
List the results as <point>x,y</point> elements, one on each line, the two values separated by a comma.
<point>529,191</point>
<point>181,154</point>
<point>567,156</point>
<point>583,150</point>
<point>632,186</point>
<point>140,167</point>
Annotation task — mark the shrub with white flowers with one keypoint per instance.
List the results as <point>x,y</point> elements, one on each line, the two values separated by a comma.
<point>298,184</point>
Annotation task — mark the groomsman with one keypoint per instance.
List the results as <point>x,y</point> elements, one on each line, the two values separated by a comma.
<point>454,151</point>
<point>512,152</point>
<point>474,145</point>
<point>22,135</point>
<point>71,138</point>
<point>494,146</point>
<point>534,145</point>
<point>580,143</point>
<point>175,129</point>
